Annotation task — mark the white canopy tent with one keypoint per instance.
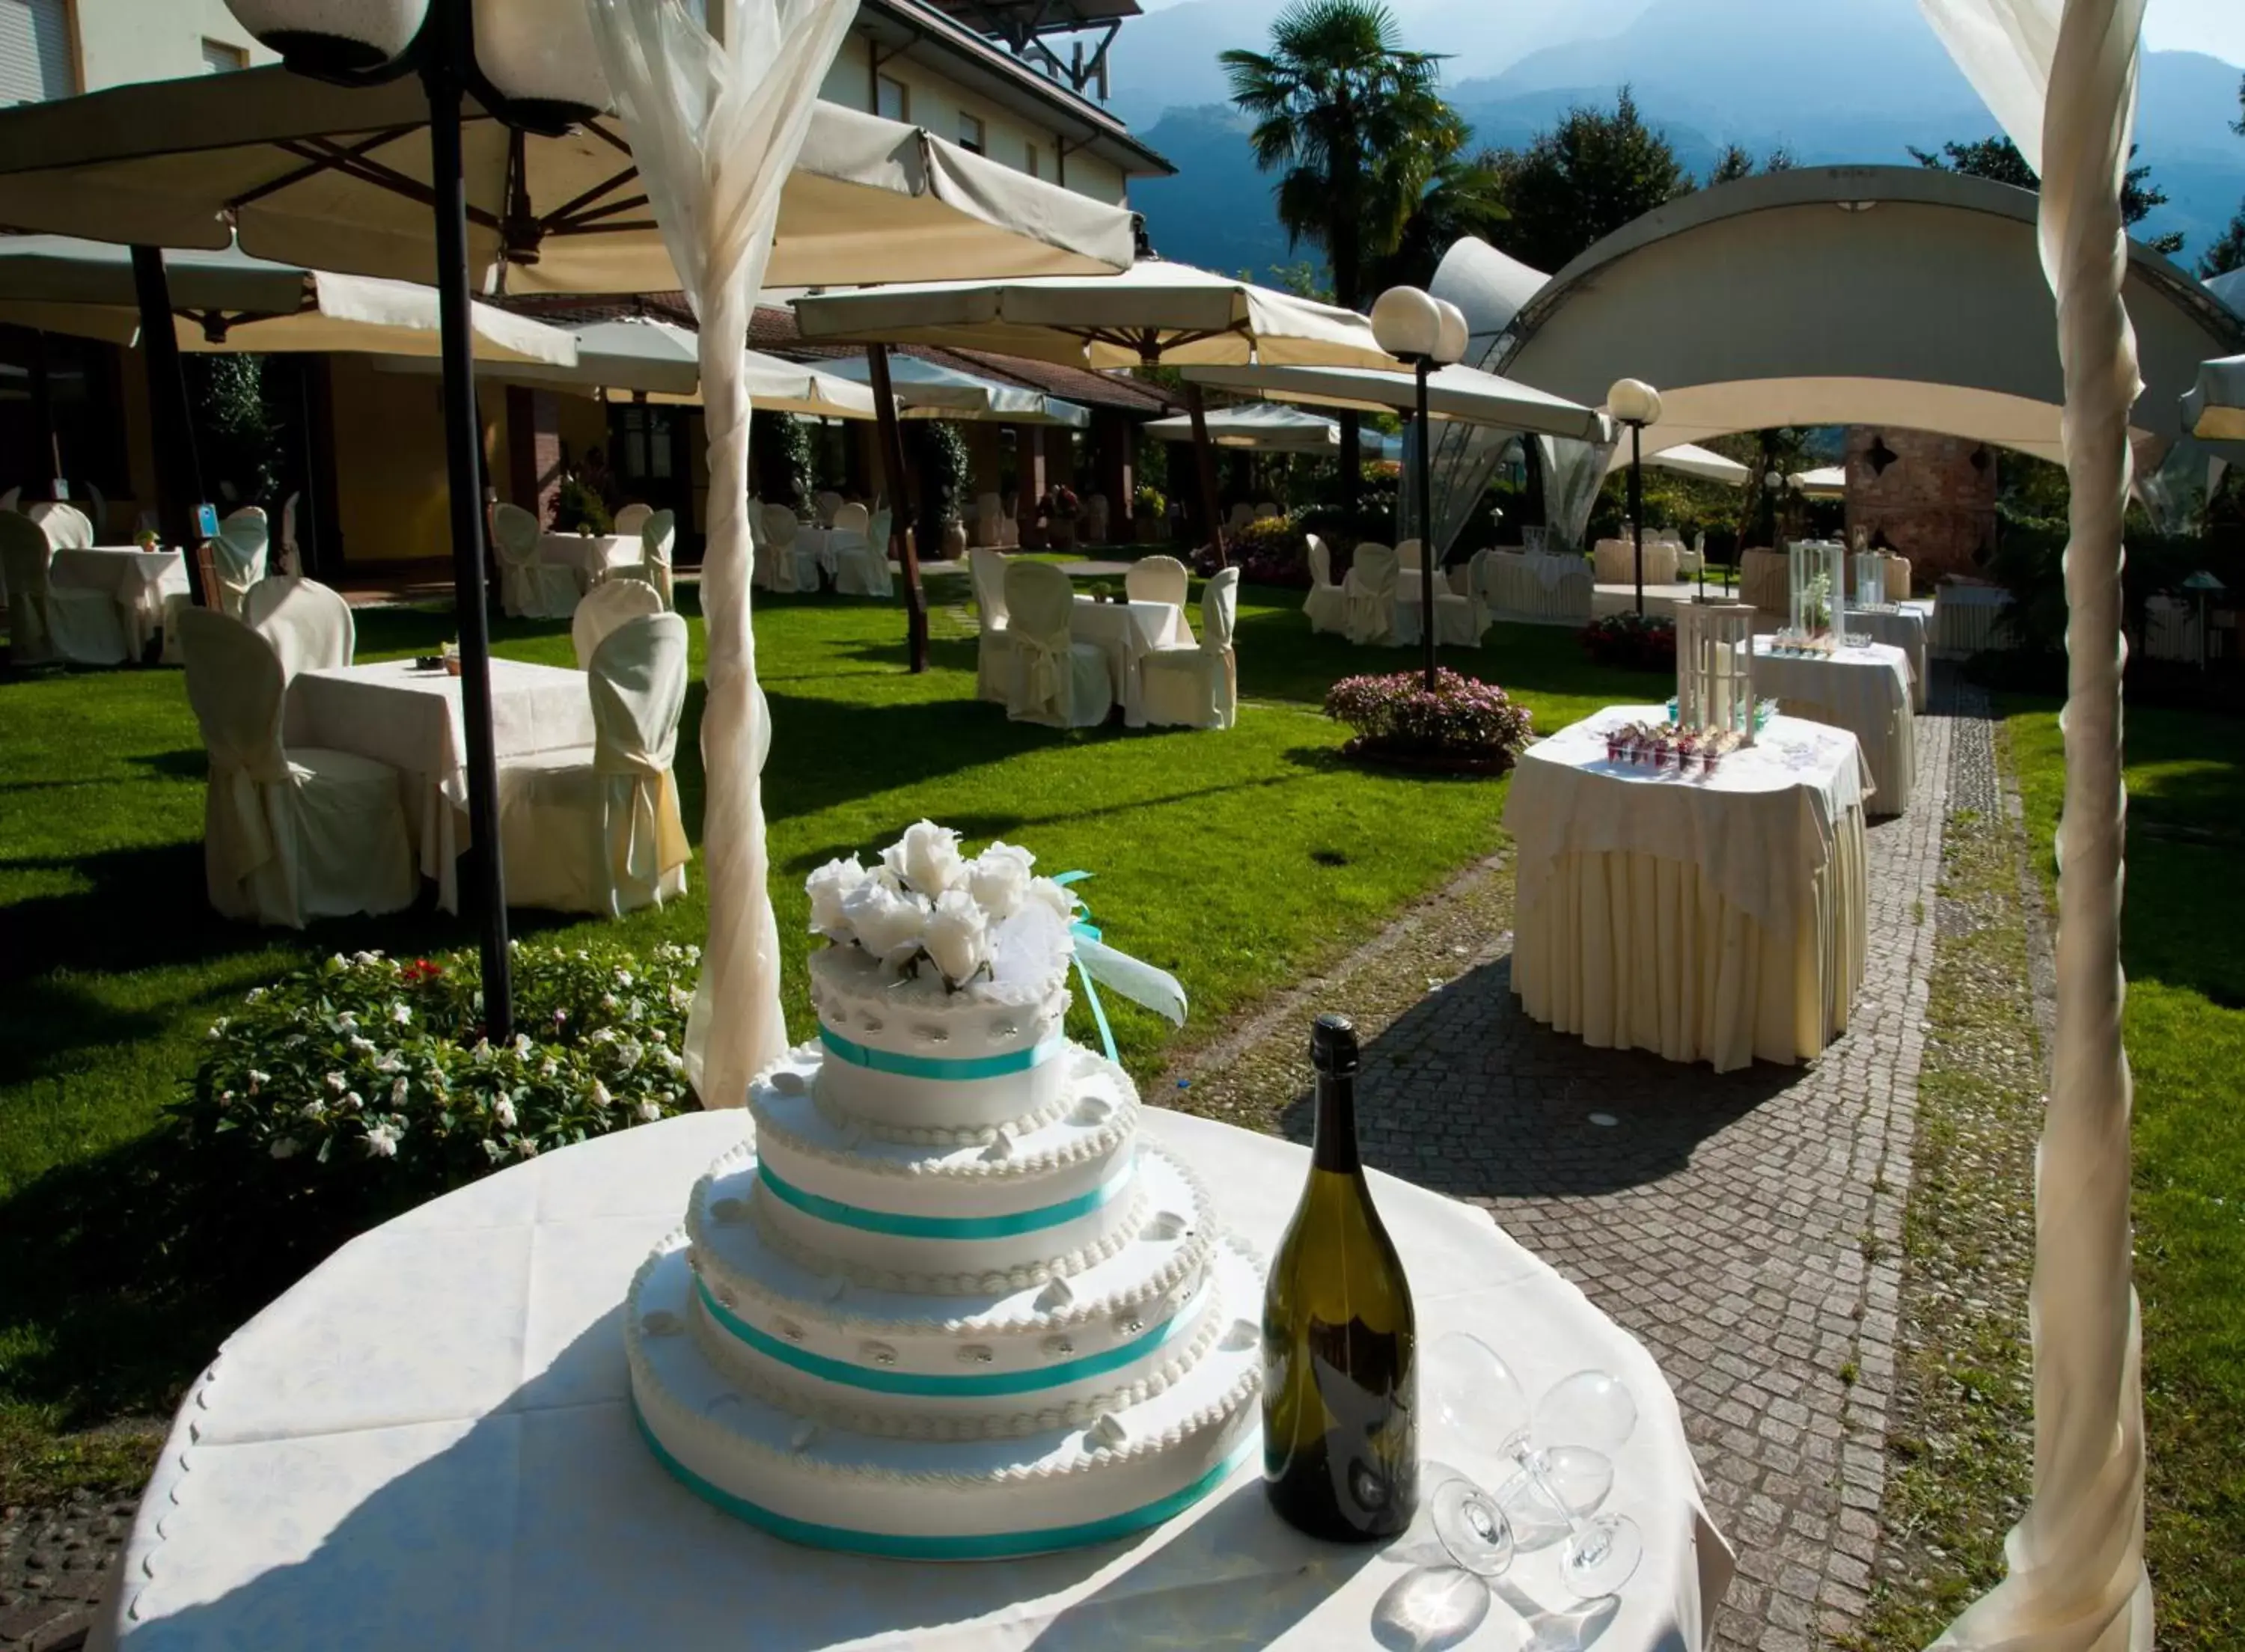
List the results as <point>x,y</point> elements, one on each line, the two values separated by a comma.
<point>1262,427</point>
<point>1462,394</point>
<point>226,301</point>
<point>1689,460</point>
<point>928,390</point>
<point>1826,482</point>
<point>2214,409</point>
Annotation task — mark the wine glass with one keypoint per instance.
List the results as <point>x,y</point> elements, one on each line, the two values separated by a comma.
<point>1480,1410</point>
<point>1589,1415</point>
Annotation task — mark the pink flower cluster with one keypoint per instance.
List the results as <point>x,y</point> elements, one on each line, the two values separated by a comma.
<point>1462,717</point>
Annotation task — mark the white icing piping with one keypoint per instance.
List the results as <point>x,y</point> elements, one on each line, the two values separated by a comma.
<point>1101,1143</point>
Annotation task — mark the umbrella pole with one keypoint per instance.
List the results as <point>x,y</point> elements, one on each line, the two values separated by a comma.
<point>1422,476</point>
<point>1636,506</point>
<point>179,468</point>
<point>1204,463</point>
<point>900,533</point>
<point>442,77</point>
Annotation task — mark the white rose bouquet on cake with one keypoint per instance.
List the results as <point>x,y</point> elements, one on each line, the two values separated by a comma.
<point>927,909</point>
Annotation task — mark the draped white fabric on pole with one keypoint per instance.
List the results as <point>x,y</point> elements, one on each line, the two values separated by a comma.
<point>2060,75</point>
<point>714,127</point>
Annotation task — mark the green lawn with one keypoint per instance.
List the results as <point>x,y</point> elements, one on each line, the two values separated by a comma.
<point>2186,1033</point>
<point>1239,861</point>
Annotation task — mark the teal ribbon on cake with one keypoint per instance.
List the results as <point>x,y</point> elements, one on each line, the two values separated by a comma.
<point>908,1227</point>
<point>955,1068</point>
<point>1140,982</point>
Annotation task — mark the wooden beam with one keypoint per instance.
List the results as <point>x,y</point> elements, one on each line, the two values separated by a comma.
<point>901,535</point>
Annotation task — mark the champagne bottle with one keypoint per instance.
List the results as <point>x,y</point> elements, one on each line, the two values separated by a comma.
<point>1340,1437</point>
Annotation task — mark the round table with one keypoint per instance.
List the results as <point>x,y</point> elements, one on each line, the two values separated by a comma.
<point>426,1443</point>
<point>1865,690</point>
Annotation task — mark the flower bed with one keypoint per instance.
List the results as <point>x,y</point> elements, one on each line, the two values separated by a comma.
<point>1272,551</point>
<point>369,1077</point>
<point>1464,725</point>
<point>1633,641</point>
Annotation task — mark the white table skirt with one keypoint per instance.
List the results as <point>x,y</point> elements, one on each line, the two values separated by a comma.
<point>396,714</point>
<point>138,580</point>
<point>590,555</point>
<point>1539,586</point>
<point>1616,562</point>
<point>1714,920</point>
<point>1903,628</point>
<point>1964,619</point>
<point>1766,581</point>
<point>426,1443</point>
<point>1865,691</point>
<point>1126,632</point>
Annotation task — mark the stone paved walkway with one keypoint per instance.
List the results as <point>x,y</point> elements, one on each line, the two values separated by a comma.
<point>1746,1226</point>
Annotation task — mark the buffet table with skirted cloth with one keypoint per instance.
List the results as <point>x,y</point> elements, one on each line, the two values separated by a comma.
<point>1903,628</point>
<point>397,713</point>
<point>429,1443</point>
<point>590,555</point>
<point>1538,584</point>
<point>1616,562</point>
<point>1717,918</point>
<point>1126,632</point>
<point>140,581</point>
<point>1865,691</point>
<point>1965,618</point>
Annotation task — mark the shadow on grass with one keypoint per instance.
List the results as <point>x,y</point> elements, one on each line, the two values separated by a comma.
<point>1505,1111</point>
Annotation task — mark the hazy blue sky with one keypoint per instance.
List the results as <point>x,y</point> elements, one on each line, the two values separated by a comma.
<point>2214,26</point>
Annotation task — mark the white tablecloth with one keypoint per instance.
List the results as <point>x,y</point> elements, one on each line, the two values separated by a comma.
<point>1903,628</point>
<point>1865,691</point>
<point>589,555</point>
<point>399,714</point>
<point>1539,586</point>
<point>1707,918</point>
<point>1126,632</point>
<point>1964,619</point>
<point>425,1445</point>
<point>1616,561</point>
<point>140,581</point>
<point>1765,581</point>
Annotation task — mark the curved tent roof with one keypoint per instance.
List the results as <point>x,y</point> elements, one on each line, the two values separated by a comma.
<point>1461,393</point>
<point>1900,295</point>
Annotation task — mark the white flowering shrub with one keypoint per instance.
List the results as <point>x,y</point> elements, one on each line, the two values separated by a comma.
<point>375,1070</point>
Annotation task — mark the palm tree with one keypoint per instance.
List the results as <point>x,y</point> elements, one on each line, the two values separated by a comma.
<point>1357,128</point>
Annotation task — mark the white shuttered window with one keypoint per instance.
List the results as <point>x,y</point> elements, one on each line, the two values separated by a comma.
<point>35,51</point>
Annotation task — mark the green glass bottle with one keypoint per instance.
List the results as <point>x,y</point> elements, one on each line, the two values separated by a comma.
<point>1341,1434</point>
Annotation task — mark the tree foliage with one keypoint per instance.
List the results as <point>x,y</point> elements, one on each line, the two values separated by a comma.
<point>2228,252</point>
<point>1353,123</point>
<point>1999,159</point>
<point>1737,161</point>
<point>1584,179</point>
<point>240,429</point>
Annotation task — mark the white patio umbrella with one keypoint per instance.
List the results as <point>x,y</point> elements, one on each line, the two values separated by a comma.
<point>1463,393</point>
<point>2214,409</point>
<point>928,390</point>
<point>227,300</point>
<point>1689,460</point>
<point>1826,482</point>
<point>1156,311</point>
<point>1262,427</point>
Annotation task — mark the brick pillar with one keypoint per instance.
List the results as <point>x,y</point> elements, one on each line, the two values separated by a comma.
<point>1118,469</point>
<point>533,450</point>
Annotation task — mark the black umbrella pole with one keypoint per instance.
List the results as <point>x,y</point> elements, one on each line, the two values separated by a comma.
<point>1423,470</point>
<point>178,471</point>
<point>1204,468</point>
<point>465,475</point>
<point>1636,507</point>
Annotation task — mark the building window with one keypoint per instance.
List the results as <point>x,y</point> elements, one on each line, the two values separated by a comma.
<point>970,135</point>
<point>36,62</point>
<point>891,98</point>
<point>1030,161</point>
<point>220,58</point>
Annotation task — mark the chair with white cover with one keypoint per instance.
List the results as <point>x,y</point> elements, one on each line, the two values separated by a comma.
<point>1327,605</point>
<point>1406,556</point>
<point>658,537</point>
<point>607,606</point>
<point>1267,509</point>
<point>1157,580</point>
<point>1057,679</point>
<point>1369,593</point>
<point>631,519</point>
<point>67,527</point>
<point>823,505</point>
<point>288,836</point>
<point>238,552</point>
<point>1460,617</point>
<point>1198,688</point>
<point>860,571</point>
<point>989,520</point>
<point>597,828</point>
<point>44,623</point>
<point>1242,514</point>
<point>292,556</point>
<point>309,625</point>
<point>774,535</point>
<point>993,649</point>
<point>529,587</point>
<point>12,499</point>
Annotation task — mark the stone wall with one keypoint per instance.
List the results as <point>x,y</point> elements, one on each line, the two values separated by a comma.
<point>1930,498</point>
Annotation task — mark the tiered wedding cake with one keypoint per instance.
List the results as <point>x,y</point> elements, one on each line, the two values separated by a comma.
<point>944,1303</point>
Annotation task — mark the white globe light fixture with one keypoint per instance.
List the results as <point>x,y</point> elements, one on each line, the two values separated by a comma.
<point>531,64</point>
<point>1409,324</point>
<point>1450,346</point>
<point>1636,404</point>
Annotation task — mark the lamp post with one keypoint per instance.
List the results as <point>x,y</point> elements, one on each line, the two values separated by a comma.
<point>1419,328</point>
<point>534,67</point>
<point>1636,404</point>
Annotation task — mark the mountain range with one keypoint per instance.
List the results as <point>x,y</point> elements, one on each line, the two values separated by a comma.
<point>1840,81</point>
